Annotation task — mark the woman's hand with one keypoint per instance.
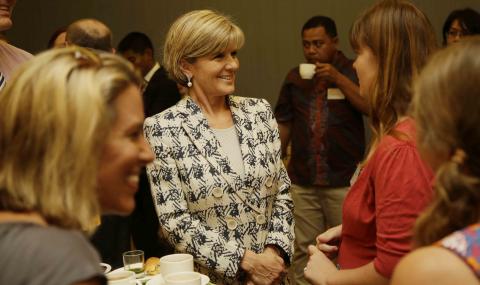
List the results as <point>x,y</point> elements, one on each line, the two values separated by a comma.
<point>328,241</point>
<point>319,267</point>
<point>264,268</point>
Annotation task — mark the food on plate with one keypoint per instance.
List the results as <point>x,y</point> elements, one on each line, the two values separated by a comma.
<point>152,265</point>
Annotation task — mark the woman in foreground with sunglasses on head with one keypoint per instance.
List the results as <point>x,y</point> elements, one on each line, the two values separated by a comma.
<point>71,147</point>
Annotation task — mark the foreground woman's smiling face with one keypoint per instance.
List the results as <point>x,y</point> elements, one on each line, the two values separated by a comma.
<point>124,154</point>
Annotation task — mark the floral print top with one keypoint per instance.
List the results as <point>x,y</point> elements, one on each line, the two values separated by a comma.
<point>466,244</point>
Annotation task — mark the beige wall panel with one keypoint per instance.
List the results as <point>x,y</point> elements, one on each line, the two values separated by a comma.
<point>272,27</point>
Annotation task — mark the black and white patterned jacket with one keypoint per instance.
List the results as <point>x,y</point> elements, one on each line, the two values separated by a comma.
<point>204,207</point>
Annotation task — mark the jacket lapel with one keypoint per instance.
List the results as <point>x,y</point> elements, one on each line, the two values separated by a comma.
<point>244,125</point>
<point>196,126</point>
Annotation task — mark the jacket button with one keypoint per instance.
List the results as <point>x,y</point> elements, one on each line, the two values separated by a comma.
<point>217,192</point>
<point>260,219</point>
<point>269,182</point>
<point>231,224</point>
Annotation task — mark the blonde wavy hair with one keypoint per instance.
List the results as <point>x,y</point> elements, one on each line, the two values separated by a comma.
<point>196,34</point>
<point>54,117</point>
<point>401,38</point>
<point>445,108</point>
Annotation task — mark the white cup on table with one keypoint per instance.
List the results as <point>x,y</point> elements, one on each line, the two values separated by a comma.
<point>183,278</point>
<point>173,263</point>
<point>122,278</point>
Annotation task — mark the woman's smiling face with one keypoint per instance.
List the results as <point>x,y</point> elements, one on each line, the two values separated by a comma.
<point>214,75</point>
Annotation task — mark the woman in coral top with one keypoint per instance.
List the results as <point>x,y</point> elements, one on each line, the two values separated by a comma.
<point>446,111</point>
<point>393,40</point>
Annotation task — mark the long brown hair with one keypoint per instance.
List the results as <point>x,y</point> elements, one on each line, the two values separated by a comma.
<point>401,38</point>
<point>445,107</point>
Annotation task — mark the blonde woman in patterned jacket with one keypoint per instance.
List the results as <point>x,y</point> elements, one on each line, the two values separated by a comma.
<point>220,189</point>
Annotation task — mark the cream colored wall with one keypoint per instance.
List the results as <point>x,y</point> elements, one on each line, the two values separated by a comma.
<point>272,27</point>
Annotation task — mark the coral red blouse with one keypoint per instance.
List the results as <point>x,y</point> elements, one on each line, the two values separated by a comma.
<point>381,207</point>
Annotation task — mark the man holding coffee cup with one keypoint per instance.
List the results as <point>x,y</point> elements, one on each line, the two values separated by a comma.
<point>319,111</point>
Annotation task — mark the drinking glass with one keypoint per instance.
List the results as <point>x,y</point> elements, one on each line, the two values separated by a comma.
<point>134,260</point>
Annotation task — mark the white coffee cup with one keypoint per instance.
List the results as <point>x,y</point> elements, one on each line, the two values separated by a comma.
<point>307,70</point>
<point>122,278</point>
<point>106,267</point>
<point>173,263</point>
<point>183,278</point>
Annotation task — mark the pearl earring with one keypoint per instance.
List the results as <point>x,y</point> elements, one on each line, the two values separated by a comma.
<point>189,83</point>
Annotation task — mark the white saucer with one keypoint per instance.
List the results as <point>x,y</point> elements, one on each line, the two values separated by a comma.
<point>158,280</point>
<point>139,277</point>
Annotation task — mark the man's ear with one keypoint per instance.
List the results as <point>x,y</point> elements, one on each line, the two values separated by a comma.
<point>335,40</point>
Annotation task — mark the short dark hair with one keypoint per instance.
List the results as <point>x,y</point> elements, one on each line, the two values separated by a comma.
<point>90,33</point>
<point>54,36</point>
<point>321,21</point>
<point>136,42</point>
<point>468,18</point>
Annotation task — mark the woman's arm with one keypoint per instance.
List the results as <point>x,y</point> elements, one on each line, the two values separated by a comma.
<point>328,242</point>
<point>263,268</point>
<point>320,270</point>
<point>403,189</point>
<point>281,232</point>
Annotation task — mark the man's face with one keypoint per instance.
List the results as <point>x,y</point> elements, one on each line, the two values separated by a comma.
<point>142,62</point>
<point>318,46</point>
<point>6,8</point>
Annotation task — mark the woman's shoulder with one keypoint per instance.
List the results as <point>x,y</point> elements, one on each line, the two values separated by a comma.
<point>465,244</point>
<point>432,265</point>
<point>252,106</point>
<point>402,138</point>
<point>33,250</point>
<point>45,240</point>
<point>399,153</point>
<point>248,101</point>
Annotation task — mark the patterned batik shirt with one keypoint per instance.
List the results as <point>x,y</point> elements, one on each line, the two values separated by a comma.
<point>327,136</point>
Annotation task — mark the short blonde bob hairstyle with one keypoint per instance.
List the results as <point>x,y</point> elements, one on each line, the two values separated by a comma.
<point>196,34</point>
<point>54,117</point>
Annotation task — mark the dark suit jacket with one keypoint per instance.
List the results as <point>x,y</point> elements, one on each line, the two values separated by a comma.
<point>161,93</point>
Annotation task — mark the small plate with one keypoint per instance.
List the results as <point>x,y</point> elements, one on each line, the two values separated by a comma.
<point>139,277</point>
<point>158,280</point>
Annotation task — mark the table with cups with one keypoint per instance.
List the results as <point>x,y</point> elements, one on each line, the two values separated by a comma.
<point>174,269</point>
